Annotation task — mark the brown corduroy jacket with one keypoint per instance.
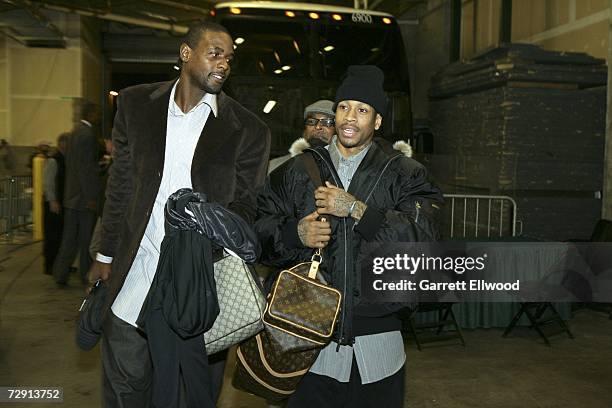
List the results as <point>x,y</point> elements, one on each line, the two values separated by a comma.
<point>229,165</point>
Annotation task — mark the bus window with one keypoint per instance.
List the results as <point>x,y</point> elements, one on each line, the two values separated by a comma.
<point>354,45</point>
<point>269,49</point>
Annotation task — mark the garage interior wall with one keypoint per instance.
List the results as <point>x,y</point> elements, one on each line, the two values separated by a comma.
<point>40,86</point>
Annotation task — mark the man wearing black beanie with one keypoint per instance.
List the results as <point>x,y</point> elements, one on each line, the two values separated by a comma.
<point>373,192</point>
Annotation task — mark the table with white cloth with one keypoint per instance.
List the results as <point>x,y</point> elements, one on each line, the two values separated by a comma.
<point>526,261</point>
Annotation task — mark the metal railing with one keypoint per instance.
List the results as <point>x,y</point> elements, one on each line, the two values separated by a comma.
<point>15,203</point>
<point>473,215</point>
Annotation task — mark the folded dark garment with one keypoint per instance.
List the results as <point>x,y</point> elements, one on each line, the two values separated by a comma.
<point>89,327</point>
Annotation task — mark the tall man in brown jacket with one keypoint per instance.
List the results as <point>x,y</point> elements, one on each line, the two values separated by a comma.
<point>184,133</point>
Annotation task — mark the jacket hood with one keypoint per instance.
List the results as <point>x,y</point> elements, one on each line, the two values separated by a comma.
<point>403,147</point>
<point>298,146</point>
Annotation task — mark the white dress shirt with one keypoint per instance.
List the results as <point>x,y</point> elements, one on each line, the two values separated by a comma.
<point>182,135</point>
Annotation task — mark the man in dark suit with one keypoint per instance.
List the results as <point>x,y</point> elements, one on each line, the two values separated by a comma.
<point>81,194</point>
<point>53,188</point>
<point>166,136</point>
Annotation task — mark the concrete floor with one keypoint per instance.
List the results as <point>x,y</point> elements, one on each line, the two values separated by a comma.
<point>37,349</point>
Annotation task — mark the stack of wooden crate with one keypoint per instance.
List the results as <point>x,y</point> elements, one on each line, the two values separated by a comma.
<point>529,123</point>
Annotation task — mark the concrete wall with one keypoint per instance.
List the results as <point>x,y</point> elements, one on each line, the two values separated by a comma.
<point>39,87</point>
<point>479,25</point>
<point>563,25</point>
<point>427,39</point>
<point>560,25</point>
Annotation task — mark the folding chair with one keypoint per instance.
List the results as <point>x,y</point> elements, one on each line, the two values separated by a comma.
<point>564,283</point>
<point>423,333</point>
<point>535,312</point>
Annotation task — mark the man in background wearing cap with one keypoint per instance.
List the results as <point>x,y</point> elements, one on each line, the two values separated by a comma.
<point>372,192</point>
<point>318,131</point>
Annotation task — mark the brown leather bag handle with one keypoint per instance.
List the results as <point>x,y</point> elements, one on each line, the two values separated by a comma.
<point>312,169</point>
<point>315,175</point>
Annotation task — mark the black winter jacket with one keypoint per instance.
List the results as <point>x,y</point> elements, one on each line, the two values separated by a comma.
<point>400,203</point>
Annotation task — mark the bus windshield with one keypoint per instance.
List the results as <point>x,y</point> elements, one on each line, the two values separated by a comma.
<point>287,62</point>
<point>303,49</point>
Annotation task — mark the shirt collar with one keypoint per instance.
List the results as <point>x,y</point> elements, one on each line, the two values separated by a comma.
<point>208,99</point>
<point>86,123</point>
<point>336,156</point>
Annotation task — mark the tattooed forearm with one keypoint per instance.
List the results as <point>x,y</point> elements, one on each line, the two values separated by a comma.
<point>301,228</point>
<point>342,203</point>
<point>358,210</point>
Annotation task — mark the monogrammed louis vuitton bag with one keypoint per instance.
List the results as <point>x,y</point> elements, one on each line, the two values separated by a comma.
<point>299,320</point>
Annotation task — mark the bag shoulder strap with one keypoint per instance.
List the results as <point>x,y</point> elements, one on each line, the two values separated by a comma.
<point>311,168</point>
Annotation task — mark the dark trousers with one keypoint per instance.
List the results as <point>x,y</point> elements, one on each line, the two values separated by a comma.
<point>76,236</point>
<point>324,392</point>
<point>127,369</point>
<point>54,223</point>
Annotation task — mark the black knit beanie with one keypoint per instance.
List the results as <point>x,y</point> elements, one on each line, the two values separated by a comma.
<point>363,83</point>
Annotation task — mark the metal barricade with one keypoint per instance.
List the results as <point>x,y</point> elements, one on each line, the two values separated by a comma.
<point>472,215</point>
<point>15,203</point>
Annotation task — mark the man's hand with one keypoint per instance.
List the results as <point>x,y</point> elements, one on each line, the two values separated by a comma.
<point>335,201</point>
<point>55,207</point>
<point>98,270</point>
<point>314,233</point>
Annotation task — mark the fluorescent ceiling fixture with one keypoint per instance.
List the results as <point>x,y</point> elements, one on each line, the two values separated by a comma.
<point>329,48</point>
<point>239,40</point>
<point>375,49</point>
<point>296,46</point>
<point>277,57</point>
<point>278,71</point>
<point>176,67</point>
<point>114,93</point>
<point>269,106</point>
<point>286,67</point>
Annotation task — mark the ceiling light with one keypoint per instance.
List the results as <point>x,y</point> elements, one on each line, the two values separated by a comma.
<point>289,13</point>
<point>277,57</point>
<point>113,93</point>
<point>278,71</point>
<point>286,67</point>
<point>269,106</point>
<point>235,10</point>
<point>329,48</point>
<point>314,16</point>
<point>297,47</point>
<point>386,20</point>
<point>337,17</point>
<point>239,40</point>
<point>375,49</point>
<point>176,67</point>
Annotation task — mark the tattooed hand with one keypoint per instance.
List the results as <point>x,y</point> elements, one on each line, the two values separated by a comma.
<point>335,201</point>
<point>312,232</point>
